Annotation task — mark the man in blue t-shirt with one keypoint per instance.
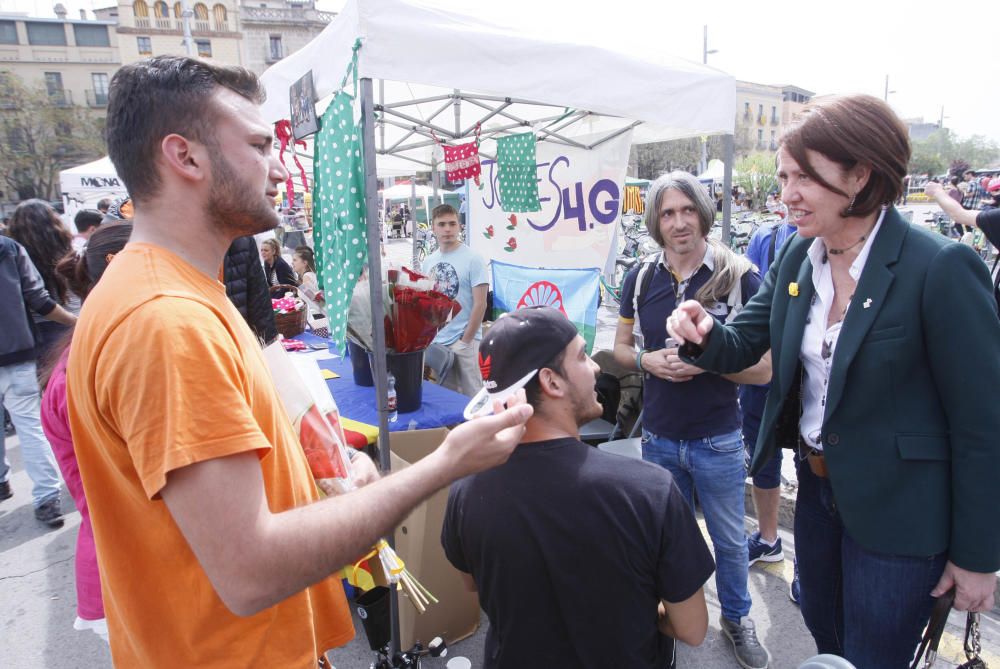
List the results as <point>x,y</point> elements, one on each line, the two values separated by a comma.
<point>691,419</point>
<point>765,544</point>
<point>459,273</point>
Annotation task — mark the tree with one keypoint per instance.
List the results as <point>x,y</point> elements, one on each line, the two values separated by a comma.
<point>757,175</point>
<point>654,159</point>
<point>40,136</point>
<point>943,151</point>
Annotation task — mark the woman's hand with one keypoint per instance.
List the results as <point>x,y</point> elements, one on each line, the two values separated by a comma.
<point>973,590</point>
<point>690,323</point>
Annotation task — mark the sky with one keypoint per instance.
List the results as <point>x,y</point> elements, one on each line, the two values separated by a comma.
<point>934,59</point>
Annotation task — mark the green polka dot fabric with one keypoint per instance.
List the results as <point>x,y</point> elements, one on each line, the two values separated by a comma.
<point>338,211</point>
<point>516,173</point>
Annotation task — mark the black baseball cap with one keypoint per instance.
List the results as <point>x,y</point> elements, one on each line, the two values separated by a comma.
<point>517,345</point>
<point>522,341</point>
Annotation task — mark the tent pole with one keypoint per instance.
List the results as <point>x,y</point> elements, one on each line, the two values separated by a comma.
<point>727,188</point>
<point>378,312</point>
<point>413,212</point>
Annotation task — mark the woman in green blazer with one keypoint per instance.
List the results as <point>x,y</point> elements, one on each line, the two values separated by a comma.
<point>895,424</point>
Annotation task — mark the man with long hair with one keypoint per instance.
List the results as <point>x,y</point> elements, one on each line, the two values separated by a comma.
<point>691,420</point>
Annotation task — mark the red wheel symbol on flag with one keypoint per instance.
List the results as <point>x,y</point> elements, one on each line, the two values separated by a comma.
<point>543,294</point>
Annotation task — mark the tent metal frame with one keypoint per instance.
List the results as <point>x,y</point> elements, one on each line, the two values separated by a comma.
<point>375,116</point>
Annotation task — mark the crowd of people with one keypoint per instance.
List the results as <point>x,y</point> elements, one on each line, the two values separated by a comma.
<point>204,541</point>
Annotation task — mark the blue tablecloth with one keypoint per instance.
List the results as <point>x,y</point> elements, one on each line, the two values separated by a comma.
<point>440,407</point>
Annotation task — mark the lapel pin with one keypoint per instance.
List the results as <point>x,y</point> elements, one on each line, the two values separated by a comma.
<point>793,289</point>
<point>867,303</point>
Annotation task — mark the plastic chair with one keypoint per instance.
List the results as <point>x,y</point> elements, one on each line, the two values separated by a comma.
<point>826,662</point>
<point>440,359</point>
<point>630,447</point>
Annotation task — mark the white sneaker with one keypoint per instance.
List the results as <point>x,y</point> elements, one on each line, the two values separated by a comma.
<point>98,627</point>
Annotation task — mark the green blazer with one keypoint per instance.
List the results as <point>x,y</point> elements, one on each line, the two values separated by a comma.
<point>911,429</point>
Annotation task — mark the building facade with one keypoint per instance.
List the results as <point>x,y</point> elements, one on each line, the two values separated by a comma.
<point>74,59</point>
<point>274,29</point>
<point>758,117</point>
<point>156,28</point>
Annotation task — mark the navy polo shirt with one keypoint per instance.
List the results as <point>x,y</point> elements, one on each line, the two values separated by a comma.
<point>705,406</point>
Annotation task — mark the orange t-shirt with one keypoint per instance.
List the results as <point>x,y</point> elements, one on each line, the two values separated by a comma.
<point>163,373</point>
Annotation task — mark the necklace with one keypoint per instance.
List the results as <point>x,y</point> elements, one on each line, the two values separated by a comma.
<point>840,252</point>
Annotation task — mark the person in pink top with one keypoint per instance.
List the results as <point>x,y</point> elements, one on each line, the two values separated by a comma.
<point>81,270</point>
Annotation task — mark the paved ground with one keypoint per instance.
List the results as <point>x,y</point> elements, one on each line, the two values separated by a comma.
<point>38,598</point>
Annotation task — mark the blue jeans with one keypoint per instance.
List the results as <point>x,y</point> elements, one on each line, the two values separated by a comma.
<point>20,394</point>
<point>867,607</point>
<point>716,468</point>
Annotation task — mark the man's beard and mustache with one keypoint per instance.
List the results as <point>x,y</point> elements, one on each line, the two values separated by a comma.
<point>235,206</point>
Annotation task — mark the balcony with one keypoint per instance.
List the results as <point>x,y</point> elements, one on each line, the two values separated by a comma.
<point>97,99</point>
<point>163,24</point>
<point>61,97</point>
<point>142,22</point>
<point>202,26</point>
<point>222,26</point>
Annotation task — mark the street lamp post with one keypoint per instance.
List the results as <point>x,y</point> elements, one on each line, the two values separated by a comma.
<point>704,59</point>
<point>887,91</point>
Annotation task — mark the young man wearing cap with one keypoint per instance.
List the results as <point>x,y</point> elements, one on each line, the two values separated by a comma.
<point>573,550</point>
<point>691,420</point>
<point>459,273</point>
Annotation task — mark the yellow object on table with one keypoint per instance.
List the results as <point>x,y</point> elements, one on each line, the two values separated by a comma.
<point>370,431</point>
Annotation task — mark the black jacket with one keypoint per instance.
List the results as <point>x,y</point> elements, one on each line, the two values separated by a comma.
<point>21,291</point>
<point>280,273</point>
<point>247,287</point>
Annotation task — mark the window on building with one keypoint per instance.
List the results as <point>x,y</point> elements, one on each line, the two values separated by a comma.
<point>746,107</point>
<point>100,82</point>
<point>54,87</point>
<point>160,10</point>
<point>8,32</point>
<point>221,18</point>
<point>140,9</point>
<point>16,140</point>
<point>91,35</point>
<point>275,48</point>
<point>760,110</point>
<point>204,47</point>
<point>760,136</point>
<point>178,10</point>
<point>145,45</point>
<point>46,34</point>
<point>63,129</point>
<point>774,111</point>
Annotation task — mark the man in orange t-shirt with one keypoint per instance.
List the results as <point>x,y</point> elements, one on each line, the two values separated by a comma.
<point>213,545</point>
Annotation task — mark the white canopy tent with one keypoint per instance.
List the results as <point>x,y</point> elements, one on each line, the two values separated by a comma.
<point>437,69</point>
<point>84,186</point>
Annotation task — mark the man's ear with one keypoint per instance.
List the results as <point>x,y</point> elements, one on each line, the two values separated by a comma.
<point>551,384</point>
<point>184,158</point>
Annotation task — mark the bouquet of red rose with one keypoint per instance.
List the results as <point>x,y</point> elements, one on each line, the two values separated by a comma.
<point>415,311</point>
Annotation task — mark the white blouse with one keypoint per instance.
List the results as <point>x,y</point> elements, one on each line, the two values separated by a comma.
<point>819,342</point>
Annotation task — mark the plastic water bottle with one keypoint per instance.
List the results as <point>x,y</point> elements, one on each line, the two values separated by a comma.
<point>393,413</point>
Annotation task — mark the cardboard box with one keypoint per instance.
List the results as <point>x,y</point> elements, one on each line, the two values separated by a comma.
<point>418,543</point>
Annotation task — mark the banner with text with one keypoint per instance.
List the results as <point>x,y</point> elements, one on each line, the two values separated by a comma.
<point>580,191</point>
<point>571,291</point>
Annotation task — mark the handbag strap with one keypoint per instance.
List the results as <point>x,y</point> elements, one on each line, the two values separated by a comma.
<point>935,628</point>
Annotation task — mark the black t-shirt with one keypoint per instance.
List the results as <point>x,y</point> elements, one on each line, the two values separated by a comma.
<point>989,222</point>
<point>572,549</point>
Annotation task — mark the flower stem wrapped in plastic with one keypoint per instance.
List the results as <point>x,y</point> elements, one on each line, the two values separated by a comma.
<point>416,311</point>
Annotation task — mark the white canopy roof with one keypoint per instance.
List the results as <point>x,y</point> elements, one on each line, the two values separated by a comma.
<point>446,64</point>
<point>401,191</point>
<point>98,176</point>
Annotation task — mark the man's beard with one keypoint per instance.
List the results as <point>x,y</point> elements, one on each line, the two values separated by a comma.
<point>236,207</point>
<point>584,407</point>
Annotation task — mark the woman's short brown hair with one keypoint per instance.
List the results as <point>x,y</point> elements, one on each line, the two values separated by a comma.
<point>852,130</point>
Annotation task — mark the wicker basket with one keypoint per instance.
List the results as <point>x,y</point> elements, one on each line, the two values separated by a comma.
<point>293,324</point>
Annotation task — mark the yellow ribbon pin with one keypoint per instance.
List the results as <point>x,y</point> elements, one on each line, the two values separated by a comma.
<point>793,289</point>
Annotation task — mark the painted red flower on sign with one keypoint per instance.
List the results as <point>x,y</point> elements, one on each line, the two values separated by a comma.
<point>513,221</point>
<point>542,294</point>
<point>489,232</point>
<point>511,245</point>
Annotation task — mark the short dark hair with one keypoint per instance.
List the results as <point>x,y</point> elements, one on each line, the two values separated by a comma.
<point>156,97</point>
<point>852,130</point>
<point>86,219</point>
<point>104,204</point>
<point>442,210</point>
<point>533,389</point>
